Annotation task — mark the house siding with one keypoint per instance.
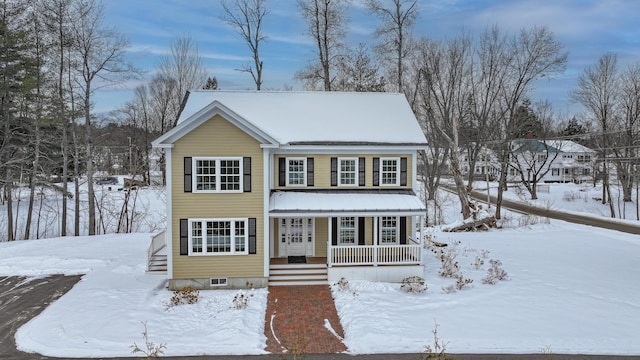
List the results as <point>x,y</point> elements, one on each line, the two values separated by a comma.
<point>322,170</point>
<point>217,138</point>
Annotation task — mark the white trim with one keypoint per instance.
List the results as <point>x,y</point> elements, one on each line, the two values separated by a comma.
<point>218,174</point>
<point>345,149</point>
<point>304,171</point>
<point>414,172</point>
<point>397,228</point>
<point>267,233</point>
<point>355,231</point>
<point>381,171</point>
<point>284,227</point>
<point>356,171</point>
<point>169,210</point>
<point>232,222</point>
<point>215,108</point>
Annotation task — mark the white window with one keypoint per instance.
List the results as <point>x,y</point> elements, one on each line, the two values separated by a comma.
<point>388,230</point>
<point>347,230</point>
<point>555,172</point>
<point>542,157</point>
<point>217,174</point>
<point>348,171</point>
<point>390,171</point>
<point>218,236</point>
<point>296,171</point>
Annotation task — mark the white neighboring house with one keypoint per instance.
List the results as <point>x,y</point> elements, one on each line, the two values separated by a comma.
<point>566,160</point>
<point>487,163</point>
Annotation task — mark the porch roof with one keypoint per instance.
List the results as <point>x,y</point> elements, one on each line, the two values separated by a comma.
<point>346,203</point>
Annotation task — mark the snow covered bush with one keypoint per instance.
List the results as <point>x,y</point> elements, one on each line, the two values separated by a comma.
<point>571,196</point>
<point>186,295</point>
<point>439,348</point>
<point>241,301</point>
<point>478,263</point>
<point>150,349</point>
<point>447,256</point>
<point>342,284</point>
<point>413,284</point>
<point>495,273</point>
<point>460,284</point>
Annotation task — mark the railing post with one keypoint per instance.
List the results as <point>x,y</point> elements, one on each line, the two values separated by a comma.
<point>375,255</point>
<point>329,254</point>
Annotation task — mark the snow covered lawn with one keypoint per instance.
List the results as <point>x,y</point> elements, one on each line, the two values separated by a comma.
<point>102,315</point>
<point>573,289</point>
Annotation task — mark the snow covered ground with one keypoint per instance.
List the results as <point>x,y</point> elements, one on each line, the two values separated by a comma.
<point>572,289</point>
<point>102,315</point>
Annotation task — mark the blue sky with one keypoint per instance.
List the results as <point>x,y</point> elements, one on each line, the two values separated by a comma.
<point>587,29</point>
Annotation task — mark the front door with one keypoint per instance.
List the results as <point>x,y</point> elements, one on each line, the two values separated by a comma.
<point>296,237</point>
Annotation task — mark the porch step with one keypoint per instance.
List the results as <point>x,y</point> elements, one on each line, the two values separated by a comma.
<point>297,274</point>
<point>157,264</point>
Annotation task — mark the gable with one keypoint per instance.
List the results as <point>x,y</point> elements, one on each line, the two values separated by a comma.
<point>216,136</point>
<point>210,111</point>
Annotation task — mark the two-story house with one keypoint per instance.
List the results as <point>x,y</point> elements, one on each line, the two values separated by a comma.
<point>273,188</point>
<point>555,160</point>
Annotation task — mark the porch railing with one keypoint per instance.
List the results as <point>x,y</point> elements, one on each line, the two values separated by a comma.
<point>158,241</point>
<point>375,255</point>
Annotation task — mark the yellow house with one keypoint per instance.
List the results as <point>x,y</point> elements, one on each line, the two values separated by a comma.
<point>276,188</point>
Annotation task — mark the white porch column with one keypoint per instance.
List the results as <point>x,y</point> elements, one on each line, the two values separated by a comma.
<point>329,246</point>
<point>375,241</point>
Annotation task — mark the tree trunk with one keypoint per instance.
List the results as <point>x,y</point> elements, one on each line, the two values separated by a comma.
<point>461,189</point>
<point>89,154</point>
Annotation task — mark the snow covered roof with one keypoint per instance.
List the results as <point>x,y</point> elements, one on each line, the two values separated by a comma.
<point>573,147</point>
<point>554,145</point>
<point>345,203</point>
<point>299,118</point>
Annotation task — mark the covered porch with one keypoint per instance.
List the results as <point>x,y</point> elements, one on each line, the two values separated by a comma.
<point>366,234</point>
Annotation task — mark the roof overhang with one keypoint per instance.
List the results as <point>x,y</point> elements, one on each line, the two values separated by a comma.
<point>214,108</point>
<point>369,202</point>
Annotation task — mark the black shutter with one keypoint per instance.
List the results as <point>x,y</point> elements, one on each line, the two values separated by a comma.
<point>184,237</point>
<point>403,230</point>
<point>361,171</point>
<point>334,171</point>
<point>360,231</point>
<point>246,173</point>
<point>252,236</point>
<point>334,231</point>
<point>187,174</point>
<point>282,171</point>
<point>376,171</point>
<point>310,171</point>
<point>403,171</point>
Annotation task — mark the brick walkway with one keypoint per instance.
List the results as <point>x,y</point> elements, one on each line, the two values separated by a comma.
<point>296,314</point>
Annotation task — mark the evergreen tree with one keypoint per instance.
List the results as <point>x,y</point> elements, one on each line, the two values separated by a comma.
<point>574,128</point>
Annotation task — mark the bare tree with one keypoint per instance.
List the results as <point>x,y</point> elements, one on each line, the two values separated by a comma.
<point>532,54</point>
<point>626,151</point>
<point>598,89</point>
<point>58,19</point>
<point>102,58</point>
<point>246,17</point>
<point>487,80</point>
<point>395,31</point>
<point>445,93</point>
<point>358,72</point>
<point>327,22</point>
<point>184,66</point>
